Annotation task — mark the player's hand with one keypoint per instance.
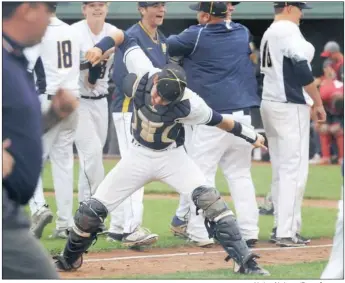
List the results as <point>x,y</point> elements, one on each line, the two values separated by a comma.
<point>107,54</point>
<point>64,103</point>
<point>94,56</point>
<point>7,159</point>
<point>260,142</point>
<point>319,114</point>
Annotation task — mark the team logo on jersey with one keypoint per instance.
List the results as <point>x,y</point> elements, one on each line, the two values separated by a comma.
<point>164,48</point>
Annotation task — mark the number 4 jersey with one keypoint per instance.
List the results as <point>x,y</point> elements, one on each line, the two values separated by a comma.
<point>282,48</point>
<point>87,41</point>
<point>58,64</point>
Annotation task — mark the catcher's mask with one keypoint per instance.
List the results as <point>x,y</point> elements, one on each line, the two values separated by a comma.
<point>171,83</point>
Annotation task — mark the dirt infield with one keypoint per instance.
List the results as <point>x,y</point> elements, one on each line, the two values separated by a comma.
<point>320,203</point>
<point>122,263</point>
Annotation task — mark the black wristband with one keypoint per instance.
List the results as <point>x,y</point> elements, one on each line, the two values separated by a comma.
<point>105,44</point>
<point>244,132</point>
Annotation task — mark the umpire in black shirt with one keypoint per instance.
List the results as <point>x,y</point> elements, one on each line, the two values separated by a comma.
<point>24,24</point>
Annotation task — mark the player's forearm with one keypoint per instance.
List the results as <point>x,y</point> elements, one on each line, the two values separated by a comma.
<point>240,130</point>
<point>109,42</point>
<point>313,92</point>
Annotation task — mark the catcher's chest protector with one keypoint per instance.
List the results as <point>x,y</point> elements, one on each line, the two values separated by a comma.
<point>156,127</point>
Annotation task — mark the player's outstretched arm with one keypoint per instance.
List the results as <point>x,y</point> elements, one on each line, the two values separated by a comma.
<point>202,114</point>
<point>95,54</point>
<point>134,57</point>
<point>243,131</point>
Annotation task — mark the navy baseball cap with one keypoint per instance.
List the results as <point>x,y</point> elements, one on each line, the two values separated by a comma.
<point>301,5</point>
<point>149,4</point>
<point>233,3</point>
<point>217,9</point>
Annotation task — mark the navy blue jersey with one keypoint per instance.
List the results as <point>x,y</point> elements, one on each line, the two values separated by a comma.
<point>156,51</point>
<point>218,66</point>
<point>21,123</point>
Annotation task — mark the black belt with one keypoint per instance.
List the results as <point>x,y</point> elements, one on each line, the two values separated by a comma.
<point>95,97</point>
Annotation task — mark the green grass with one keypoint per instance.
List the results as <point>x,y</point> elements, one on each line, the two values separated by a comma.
<point>318,223</point>
<point>323,183</point>
<point>295,271</point>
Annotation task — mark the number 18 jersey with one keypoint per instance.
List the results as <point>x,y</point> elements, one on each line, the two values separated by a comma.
<point>59,58</point>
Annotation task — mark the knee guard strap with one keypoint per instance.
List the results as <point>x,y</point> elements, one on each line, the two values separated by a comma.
<point>209,200</point>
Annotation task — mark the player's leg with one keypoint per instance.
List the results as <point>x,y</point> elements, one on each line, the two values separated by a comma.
<point>292,172</point>
<point>180,172</point>
<point>90,150</point>
<point>273,139</point>
<point>221,225</point>
<point>41,214</point>
<point>304,125</point>
<point>236,164</point>
<point>132,208</point>
<point>130,173</point>
<point>179,222</point>
<point>62,161</point>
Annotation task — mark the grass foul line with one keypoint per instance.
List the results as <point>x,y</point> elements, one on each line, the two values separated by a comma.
<point>197,253</point>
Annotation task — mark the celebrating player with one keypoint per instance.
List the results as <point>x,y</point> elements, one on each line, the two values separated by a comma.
<point>93,110</point>
<point>162,104</point>
<point>57,67</point>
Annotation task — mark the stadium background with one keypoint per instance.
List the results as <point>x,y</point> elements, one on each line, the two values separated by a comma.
<point>323,23</point>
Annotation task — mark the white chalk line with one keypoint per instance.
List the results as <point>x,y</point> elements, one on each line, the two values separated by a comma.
<point>198,253</point>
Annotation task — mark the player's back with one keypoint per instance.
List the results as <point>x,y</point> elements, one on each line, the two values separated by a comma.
<point>60,54</point>
<point>278,54</point>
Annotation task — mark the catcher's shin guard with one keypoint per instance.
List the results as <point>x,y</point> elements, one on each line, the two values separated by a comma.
<point>87,219</point>
<point>221,224</point>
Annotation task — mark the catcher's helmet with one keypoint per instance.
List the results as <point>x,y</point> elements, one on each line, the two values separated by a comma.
<point>171,83</point>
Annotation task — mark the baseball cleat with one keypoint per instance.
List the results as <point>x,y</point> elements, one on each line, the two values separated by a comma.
<point>140,237</point>
<point>203,243</point>
<point>179,227</point>
<point>61,265</point>
<point>251,268</point>
<point>114,237</point>
<point>290,242</point>
<point>303,239</point>
<point>40,220</point>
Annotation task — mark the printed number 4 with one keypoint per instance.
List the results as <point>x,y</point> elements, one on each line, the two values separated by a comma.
<point>64,49</point>
<point>266,60</point>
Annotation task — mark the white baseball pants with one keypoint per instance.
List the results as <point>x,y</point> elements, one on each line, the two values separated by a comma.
<point>141,166</point>
<point>129,214</point>
<point>90,139</point>
<point>212,147</point>
<point>58,145</point>
<point>287,127</point>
